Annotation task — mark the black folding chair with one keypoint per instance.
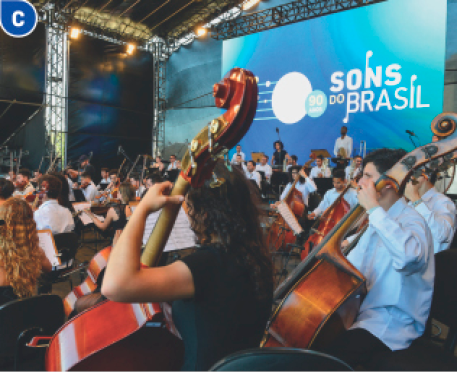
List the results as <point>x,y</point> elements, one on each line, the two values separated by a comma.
<point>67,245</point>
<point>280,359</point>
<point>22,319</point>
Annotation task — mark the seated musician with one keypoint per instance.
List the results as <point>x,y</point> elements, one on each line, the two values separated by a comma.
<point>88,187</point>
<point>239,163</point>
<point>305,185</point>
<point>36,175</point>
<point>395,255</point>
<point>339,183</point>
<point>319,171</point>
<point>105,178</point>
<point>252,174</point>
<point>115,181</point>
<point>173,163</point>
<point>118,214</point>
<point>238,152</point>
<point>264,167</point>
<point>437,209</point>
<point>291,162</point>
<point>21,259</point>
<point>23,185</point>
<point>51,215</point>
<point>6,189</point>
<point>222,293</point>
<point>356,170</point>
<point>158,164</point>
<point>151,180</point>
<point>135,182</point>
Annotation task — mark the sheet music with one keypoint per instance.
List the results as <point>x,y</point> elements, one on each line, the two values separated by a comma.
<point>181,236</point>
<point>289,217</point>
<point>86,220</point>
<point>46,243</point>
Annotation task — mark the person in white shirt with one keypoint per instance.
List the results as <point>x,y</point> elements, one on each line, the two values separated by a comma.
<point>344,142</point>
<point>240,163</point>
<point>317,171</point>
<point>437,209</point>
<point>88,187</point>
<point>339,184</point>
<point>252,174</point>
<point>173,163</point>
<point>105,178</point>
<point>264,167</point>
<point>23,185</point>
<point>353,173</point>
<point>305,184</point>
<point>50,215</point>
<point>238,152</point>
<point>395,255</point>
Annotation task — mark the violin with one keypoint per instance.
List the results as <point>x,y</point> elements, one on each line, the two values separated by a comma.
<point>112,335</point>
<point>322,296</point>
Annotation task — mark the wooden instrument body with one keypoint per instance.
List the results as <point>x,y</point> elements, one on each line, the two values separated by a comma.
<point>114,336</point>
<point>323,302</point>
<point>295,201</point>
<point>280,235</point>
<point>327,223</point>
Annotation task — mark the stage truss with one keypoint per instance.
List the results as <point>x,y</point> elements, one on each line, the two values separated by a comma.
<point>282,15</point>
<point>56,115</point>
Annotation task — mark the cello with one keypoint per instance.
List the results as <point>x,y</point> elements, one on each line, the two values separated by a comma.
<point>114,336</point>
<point>322,296</point>
<point>326,222</point>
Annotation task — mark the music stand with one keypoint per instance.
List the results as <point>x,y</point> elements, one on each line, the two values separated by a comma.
<point>323,185</point>
<point>257,156</point>
<point>103,186</point>
<point>322,152</point>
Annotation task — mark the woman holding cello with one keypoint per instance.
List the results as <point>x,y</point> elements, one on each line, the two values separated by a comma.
<point>223,292</point>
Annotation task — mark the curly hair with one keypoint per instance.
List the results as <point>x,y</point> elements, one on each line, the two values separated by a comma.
<point>227,218</point>
<point>20,254</point>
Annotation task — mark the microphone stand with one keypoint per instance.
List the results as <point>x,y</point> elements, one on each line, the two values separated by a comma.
<point>411,139</point>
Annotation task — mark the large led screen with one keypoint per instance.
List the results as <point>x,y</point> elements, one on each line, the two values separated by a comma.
<point>379,70</point>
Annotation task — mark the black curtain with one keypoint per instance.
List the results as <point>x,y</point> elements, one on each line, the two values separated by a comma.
<point>110,102</point>
<point>22,79</point>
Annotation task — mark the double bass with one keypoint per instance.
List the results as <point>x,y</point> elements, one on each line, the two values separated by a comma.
<point>322,296</point>
<point>326,222</point>
<point>114,336</point>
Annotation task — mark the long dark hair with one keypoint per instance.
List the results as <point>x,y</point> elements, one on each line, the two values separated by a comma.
<point>227,217</point>
<point>63,198</point>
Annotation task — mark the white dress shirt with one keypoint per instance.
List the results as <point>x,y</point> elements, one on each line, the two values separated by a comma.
<point>90,192</point>
<point>316,170</point>
<point>27,189</point>
<point>140,191</point>
<point>254,176</point>
<point>305,188</point>
<point>357,171</point>
<point>439,213</point>
<point>243,157</point>
<point>71,196</point>
<point>346,143</point>
<point>54,217</point>
<point>266,169</point>
<point>331,195</point>
<point>395,255</point>
<point>172,166</point>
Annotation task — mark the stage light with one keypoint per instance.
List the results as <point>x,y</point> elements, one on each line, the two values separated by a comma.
<point>250,4</point>
<point>74,33</point>
<point>130,48</point>
<point>200,31</point>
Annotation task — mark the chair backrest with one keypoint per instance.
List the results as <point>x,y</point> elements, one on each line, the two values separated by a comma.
<point>67,244</point>
<point>44,311</point>
<point>444,303</point>
<point>280,359</point>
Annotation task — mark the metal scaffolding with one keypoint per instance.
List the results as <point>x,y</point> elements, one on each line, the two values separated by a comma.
<point>159,107</point>
<point>55,118</point>
<point>282,15</point>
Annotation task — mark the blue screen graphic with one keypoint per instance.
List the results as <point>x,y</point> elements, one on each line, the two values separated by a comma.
<point>379,70</point>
